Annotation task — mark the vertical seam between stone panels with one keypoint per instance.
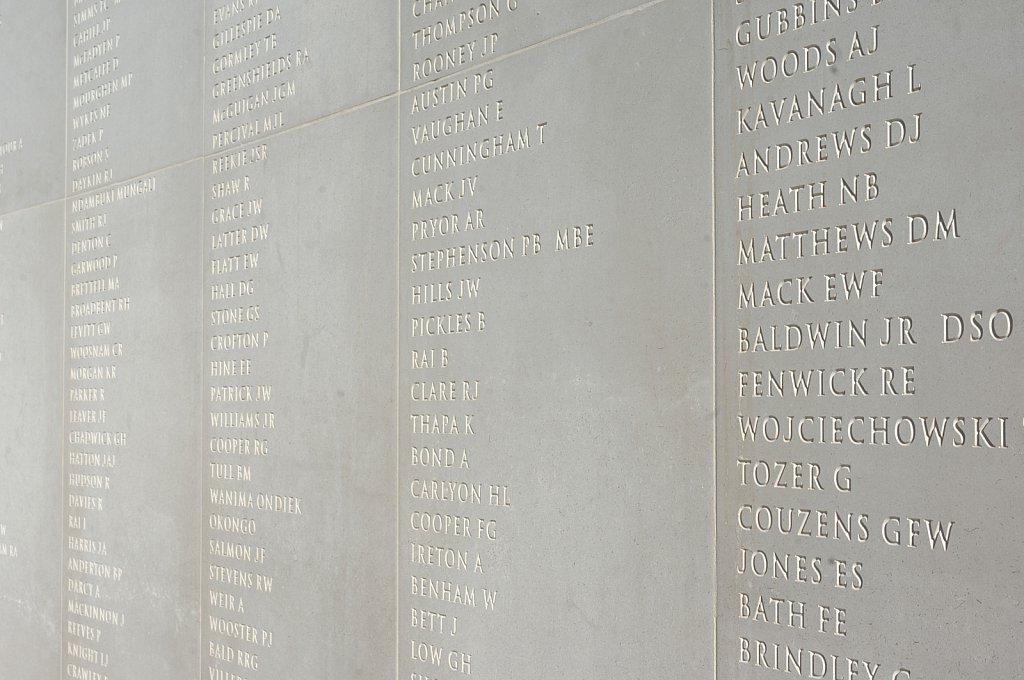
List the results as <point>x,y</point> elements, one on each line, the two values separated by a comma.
<point>714,366</point>
<point>202,333</point>
<point>63,343</point>
<point>398,321</point>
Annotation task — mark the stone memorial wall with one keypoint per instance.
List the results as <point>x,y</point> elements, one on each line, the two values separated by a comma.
<point>439,339</point>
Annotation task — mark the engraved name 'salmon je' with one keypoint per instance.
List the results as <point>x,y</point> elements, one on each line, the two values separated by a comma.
<point>255,82</point>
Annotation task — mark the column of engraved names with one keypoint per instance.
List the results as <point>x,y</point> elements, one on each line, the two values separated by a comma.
<point>455,512</point>
<point>251,73</point>
<point>97,396</point>
<point>465,138</point>
<point>827,369</point>
<point>240,434</point>
<point>251,76</point>
<point>96,75</point>
<point>97,434</point>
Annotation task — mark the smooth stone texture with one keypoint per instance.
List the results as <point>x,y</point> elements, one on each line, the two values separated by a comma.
<point>313,396</point>
<point>270,67</point>
<point>929,589</point>
<point>522,466</point>
<point>31,308</point>
<point>133,90</point>
<point>32,38</point>
<point>555,414</point>
<point>133,430</point>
